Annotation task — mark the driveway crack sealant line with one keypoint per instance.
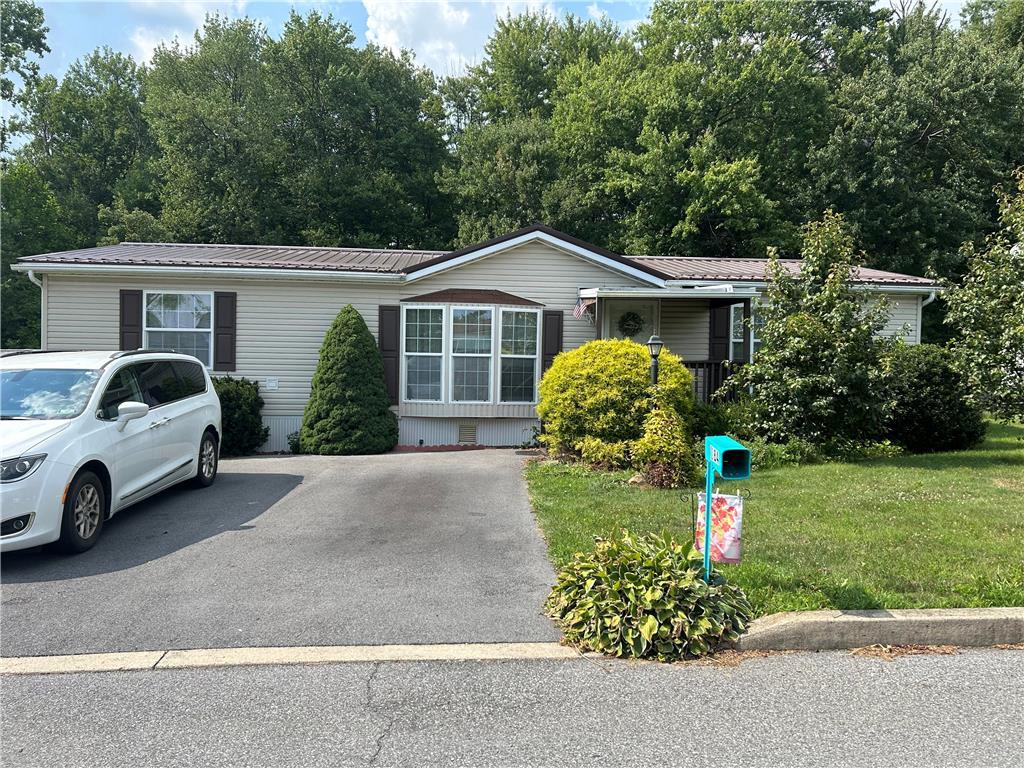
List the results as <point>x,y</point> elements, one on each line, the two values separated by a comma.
<point>159,660</point>
<point>390,718</point>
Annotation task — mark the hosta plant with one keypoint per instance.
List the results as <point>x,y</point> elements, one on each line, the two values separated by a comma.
<point>645,597</point>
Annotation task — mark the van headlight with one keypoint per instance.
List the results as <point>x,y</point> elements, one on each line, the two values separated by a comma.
<point>19,468</point>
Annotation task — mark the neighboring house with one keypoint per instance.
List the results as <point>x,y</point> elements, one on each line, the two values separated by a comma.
<point>464,335</point>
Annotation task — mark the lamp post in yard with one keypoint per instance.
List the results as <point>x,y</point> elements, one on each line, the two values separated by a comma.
<point>654,345</point>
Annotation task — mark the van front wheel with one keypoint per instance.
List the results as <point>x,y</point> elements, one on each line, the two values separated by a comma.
<point>85,509</point>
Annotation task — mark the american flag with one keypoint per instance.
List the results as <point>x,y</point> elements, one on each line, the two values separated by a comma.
<point>580,309</point>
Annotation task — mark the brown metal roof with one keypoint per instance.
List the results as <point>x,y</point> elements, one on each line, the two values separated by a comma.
<point>260,256</point>
<point>404,261</point>
<point>756,270</point>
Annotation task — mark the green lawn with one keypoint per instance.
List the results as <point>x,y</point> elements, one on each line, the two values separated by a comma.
<point>942,530</point>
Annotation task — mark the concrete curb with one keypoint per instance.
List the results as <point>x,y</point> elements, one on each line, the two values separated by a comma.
<point>837,630</point>
<point>246,657</point>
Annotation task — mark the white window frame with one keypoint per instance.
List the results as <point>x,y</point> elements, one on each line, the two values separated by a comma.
<point>535,357</point>
<point>452,354</point>
<point>146,329</point>
<point>442,354</point>
<point>749,332</point>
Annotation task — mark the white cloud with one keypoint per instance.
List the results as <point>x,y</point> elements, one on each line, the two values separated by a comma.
<point>146,40</point>
<point>446,35</point>
<point>166,21</point>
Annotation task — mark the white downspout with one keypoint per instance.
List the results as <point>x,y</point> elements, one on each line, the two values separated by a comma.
<point>931,297</point>
<point>42,307</point>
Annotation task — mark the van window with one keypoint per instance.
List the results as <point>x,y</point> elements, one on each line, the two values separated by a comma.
<point>193,382</point>
<point>158,382</point>
<point>121,389</point>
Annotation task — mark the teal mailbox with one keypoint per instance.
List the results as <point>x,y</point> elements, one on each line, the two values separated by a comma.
<point>730,460</point>
<point>727,458</point>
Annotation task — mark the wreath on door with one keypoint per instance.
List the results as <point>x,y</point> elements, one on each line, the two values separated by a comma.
<point>630,324</point>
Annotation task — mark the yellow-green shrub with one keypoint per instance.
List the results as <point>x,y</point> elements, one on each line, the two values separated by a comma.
<point>597,453</point>
<point>603,390</point>
<point>664,454</point>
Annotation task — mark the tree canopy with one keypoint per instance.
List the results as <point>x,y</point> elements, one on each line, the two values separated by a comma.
<point>713,129</point>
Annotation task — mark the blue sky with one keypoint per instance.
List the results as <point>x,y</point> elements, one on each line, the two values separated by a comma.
<point>445,34</point>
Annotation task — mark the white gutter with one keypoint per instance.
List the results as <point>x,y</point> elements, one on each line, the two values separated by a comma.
<point>723,291</point>
<point>924,290</point>
<point>248,273</point>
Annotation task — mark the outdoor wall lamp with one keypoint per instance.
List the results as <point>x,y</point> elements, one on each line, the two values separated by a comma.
<point>654,345</point>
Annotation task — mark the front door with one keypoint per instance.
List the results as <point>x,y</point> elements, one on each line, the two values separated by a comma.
<point>635,319</point>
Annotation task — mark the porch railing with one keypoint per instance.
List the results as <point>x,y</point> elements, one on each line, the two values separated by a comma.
<point>708,376</point>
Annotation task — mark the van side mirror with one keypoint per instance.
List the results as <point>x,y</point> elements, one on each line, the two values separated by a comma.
<point>129,410</point>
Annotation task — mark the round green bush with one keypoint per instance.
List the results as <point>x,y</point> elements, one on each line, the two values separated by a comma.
<point>348,410</point>
<point>645,597</point>
<point>603,390</point>
<point>930,409</point>
<point>241,419</point>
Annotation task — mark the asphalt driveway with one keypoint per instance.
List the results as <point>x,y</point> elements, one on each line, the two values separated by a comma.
<point>298,550</point>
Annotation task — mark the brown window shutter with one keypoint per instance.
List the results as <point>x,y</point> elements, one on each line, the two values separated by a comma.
<point>551,338</point>
<point>225,306</point>
<point>388,330</point>
<point>721,331</point>
<point>131,319</point>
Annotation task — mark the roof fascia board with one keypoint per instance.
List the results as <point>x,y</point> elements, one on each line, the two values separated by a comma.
<point>249,273</point>
<point>529,237</point>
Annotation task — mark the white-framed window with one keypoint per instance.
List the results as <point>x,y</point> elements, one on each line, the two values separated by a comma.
<point>423,353</point>
<point>472,354</point>
<point>519,355</point>
<point>738,330</point>
<point>179,321</point>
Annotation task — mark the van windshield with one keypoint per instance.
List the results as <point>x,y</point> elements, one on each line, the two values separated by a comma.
<point>45,393</point>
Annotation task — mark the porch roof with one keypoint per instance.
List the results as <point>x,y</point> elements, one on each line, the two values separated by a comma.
<point>690,268</point>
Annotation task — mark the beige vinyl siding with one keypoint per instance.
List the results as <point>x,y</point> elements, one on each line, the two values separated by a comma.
<point>686,327</point>
<point>904,309</point>
<point>280,324</point>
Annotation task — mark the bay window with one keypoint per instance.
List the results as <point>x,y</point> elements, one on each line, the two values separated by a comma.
<point>424,352</point>
<point>471,354</point>
<point>181,322</point>
<point>519,332</point>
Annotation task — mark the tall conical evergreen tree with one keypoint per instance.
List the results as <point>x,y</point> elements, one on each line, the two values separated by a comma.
<point>348,410</point>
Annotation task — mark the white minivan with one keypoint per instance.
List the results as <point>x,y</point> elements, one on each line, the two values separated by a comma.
<point>86,434</point>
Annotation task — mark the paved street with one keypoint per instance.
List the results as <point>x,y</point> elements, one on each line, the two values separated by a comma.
<point>298,550</point>
<point>825,709</point>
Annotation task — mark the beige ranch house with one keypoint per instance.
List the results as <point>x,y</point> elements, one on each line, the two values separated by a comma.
<point>465,335</point>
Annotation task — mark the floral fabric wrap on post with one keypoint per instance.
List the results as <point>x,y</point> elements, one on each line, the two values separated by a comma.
<point>726,527</point>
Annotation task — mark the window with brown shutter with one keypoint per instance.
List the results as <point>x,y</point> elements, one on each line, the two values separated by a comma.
<point>388,331</point>
<point>552,338</point>
<point>225,306</point>
<point>131,320</point>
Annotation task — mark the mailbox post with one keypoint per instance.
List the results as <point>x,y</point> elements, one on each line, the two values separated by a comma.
<point>730,461</point>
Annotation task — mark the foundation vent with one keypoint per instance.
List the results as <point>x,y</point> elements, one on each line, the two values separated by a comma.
<point>467,433</point>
